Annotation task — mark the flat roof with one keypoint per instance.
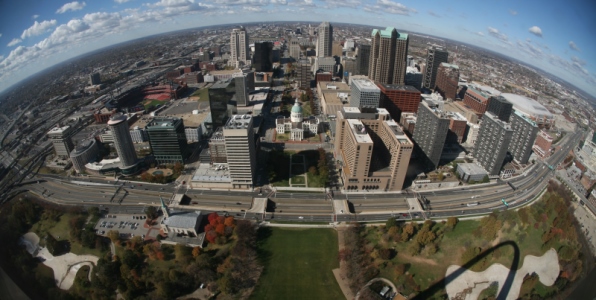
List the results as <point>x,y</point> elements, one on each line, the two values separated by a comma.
<point>448,65</point>
<point>472,169</point>
<point>386,33</point>
<point>359,131</point>
<point>212,173</point>
<point>365,85</point>
<point>399,87</point>
<point>333,86</point>
<point>398,132</point>
<point>528,106</point>
<point>59,129</point>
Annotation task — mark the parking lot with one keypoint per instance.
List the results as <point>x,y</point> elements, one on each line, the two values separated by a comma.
<point>128,225</point>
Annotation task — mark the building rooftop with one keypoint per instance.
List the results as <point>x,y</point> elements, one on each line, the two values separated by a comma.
<point>82,147</point>
<point>471,168</point>
<point>238,122</point>
<point>212,173</point>
<point>525,118</point>
<point>503,124</point>
<point>398,132</point>
<point>366,85</point>
<point>447,65</point>
<point>104,164</point>
<point>163,122</point>
<point>478,92</point>
<point>182,219</point>
<point>528,106</point>
<point>359,131</point>
<point>58,130</point>
<point>484,88</point>
<point>386,33</point>
<point>398,87</point>
<point>221,84</point>
<point>333,86</point>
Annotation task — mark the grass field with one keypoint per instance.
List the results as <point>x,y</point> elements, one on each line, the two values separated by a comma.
<point>61,231</point>
<point>203,94</point>
<point>298,264</point>
<point>150,103</point>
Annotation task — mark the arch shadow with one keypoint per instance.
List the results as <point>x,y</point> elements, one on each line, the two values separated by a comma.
<point>442,284</point>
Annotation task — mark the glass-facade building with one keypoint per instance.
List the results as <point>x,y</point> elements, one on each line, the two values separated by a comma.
<point>220,98</point>
<point>168,140</point>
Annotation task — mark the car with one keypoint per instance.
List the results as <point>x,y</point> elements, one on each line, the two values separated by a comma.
<point>301,217</point>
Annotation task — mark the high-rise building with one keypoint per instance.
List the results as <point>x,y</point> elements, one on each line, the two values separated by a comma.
<point>240,81</point>
<point>492,143</point>
<point>221,95</point>
<point>524,135</point>
<point>337,49</point>
<point>447,80</point>
<point>94,78</point>
<point>295,49</point>
<point>388,56</point>
<point>435,55</point>
<point>399,98</point>
<point>239,45</point>
<point>349,64</point>
<point>61,138</point>
<point>362,60</point>
<point>374,150</point>
<point>240,150</point>
<point>303,74</point>
<point>500,107</point>
<point>84,153</point>
<point>123,143</point>
<point>413,77</point>
<point>262,59</point>
<point>432,126</point>
<point>476,99</point>
<point>167,140</point>
<point>324,39</point>
<point>365,94</point>
<point>217,147</point>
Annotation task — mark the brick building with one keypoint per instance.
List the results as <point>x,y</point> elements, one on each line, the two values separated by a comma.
<point>447,80</point>
<point>398,99</point>
<point>476,99</point>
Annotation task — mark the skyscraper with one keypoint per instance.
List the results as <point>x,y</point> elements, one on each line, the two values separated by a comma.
<point>220,100</point>
<point>262,59</point>
<point>61,137</point>
<point>374,150</point>
<point>94,78</point>
<point>399,98</point>
<point>365,94</point>
<point>435,55</point>
<point>500,107</point>
<point>167,140</point>
<point>239,45</point>
<point>447,80</point>
<point>388,56</point>
<point>524,135</point>
<point>431,131</point>
<point>492,143</point>
<point>240,150</point>
<point>362,60</point>
<point>324,39</point>
<point>241,83</point>
<point>303,74</point>
<point>295,49</point>
<point>123,143</point>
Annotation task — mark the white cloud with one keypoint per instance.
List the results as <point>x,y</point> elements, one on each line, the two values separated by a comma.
<point>35,17</point>
<point>0,34</point>
<point>512,12</point>
<point>535,30</point>
<point>38,28</point>
<point>527,47</point>
<point>338,3</point>
<point>573,46</point>
<point>390,7</point>
<point>72,6</point>
<point>495,33</point>
<point>121,1</point>
<point>14,42</point>
<point>480,33</point>
<point>1,57</point>
<point>578,60</point>
<point>301,3</point>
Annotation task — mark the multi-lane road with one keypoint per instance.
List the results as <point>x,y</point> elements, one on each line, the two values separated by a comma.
<point>307,207</point>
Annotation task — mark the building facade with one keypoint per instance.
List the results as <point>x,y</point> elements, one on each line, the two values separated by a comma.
<point>84,153</point>
<point>398,99</point>
<point>138,135</point>
<point>500,107</point>
<point>123,143</point>
<point>374,150</point>
<point>447,80</point>
<point>524,135</point>
<point>324,39</point>
<point>221,95</point>
<point>542,145</point>
<point>435,55</point>
<point>168,140</point>
<point>362,60</point>
<point>239,45</point>
<point>432,126</point>
<point>303,74</point>
<point>492,143</point>
<point>296,125</point>
<point>61,138</point>
<point>388,56</point>
<point>364,93</point>
<point>240,150</point>
<point>262,59</point>
<point>476,100</point>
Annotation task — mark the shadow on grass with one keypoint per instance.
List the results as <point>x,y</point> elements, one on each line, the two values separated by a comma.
<point>262,235</point>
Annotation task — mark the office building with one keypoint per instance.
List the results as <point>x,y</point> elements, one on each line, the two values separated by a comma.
<point>432,126</point>
<point>138,135</point>
<point>374,150</point>
<point>364,93</point>
<point>61,138</point>
<point>457,128</point>
<point>168,140</point>
<point>435,55</point>
<point>500,107</point>
<point>413,77</point>
<point>295,49</point>
<point>84,153</point>
<point>242,90</point>
<point>388,56</point>
<point>217,147</point>
<point>240,150</point>
<point>325,64</point>
<point>94,78</point>
<point>123,143</point>
<point>447,80</point>
<point>221,96</point>
<point>542,145</point>
<point>193,134</point>
<point>362,60</point>
<point>324,39</point>
<point>524,135</point>
<point>398,99</point>
<point>303,74</point>
<point>492,143</point>
<point>262,59</point>
<point>476,99</point>
<point>349,65</point>
<point>333,96</point>
<point>337,49</point>
<point>239,45</point>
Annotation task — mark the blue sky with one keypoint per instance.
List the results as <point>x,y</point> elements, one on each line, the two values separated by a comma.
<point>556,36</point>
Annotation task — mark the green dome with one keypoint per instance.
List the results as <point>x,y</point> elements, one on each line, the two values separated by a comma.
<point>297,108</point>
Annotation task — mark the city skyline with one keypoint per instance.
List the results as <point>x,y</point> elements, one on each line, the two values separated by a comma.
<point>36,35</point>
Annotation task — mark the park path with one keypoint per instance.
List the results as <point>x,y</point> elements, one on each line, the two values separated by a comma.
<point>339,273</point>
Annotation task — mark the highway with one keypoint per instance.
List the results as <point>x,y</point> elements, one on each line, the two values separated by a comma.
<point>308,207</point>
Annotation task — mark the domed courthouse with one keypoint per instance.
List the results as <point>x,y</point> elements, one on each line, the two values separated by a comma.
<point>296,125</point>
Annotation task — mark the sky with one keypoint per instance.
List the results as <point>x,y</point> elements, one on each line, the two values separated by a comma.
<point>556,36</point>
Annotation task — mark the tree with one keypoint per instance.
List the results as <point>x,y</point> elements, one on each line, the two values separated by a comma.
<point>452,221</point>
<point>151,212</point>
<point>391,222</point>
<point>182,253</point>
<point>196,251</point>
<point>114,235</point>
<point>52,244</point>
<point>230,222</point>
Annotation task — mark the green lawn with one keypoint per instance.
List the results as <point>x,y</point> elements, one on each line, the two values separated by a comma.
<point>152,103</point>
<point>203,94</point>
<point>298,264</point>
